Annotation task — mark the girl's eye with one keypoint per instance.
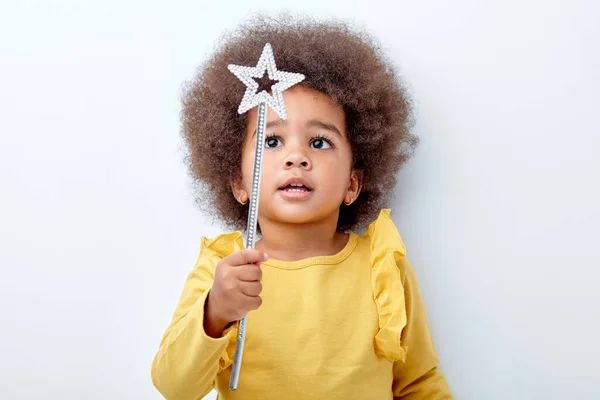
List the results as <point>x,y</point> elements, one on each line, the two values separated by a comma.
<point>321,143</point>
<point>272,142</point>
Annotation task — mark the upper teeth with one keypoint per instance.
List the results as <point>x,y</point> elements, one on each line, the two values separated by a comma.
<point>296,184</point>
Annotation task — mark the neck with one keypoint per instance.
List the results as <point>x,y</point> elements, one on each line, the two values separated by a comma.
<point>292,242</point>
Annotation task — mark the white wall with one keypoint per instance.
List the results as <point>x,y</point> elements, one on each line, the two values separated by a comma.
<point>499,208</point>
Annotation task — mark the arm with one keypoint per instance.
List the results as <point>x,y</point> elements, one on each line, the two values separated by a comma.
<point>419,377</point>
<point>187,361</point>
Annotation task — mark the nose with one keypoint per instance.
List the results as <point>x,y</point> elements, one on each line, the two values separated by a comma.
<point>297,159</point>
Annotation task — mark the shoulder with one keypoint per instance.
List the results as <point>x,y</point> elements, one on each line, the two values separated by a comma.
<point>221,246</point>
<point>383,241</point>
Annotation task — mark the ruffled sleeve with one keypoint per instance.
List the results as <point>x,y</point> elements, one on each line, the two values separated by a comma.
<point>387,249</point>
<point>222,245</point>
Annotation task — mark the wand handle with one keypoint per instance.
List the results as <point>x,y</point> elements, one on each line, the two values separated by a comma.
<point>251,238</point>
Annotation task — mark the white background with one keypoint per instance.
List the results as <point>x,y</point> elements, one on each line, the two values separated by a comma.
<point>499,208</point>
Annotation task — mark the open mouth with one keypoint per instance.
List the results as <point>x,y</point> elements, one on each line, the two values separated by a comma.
<point>295,188</point>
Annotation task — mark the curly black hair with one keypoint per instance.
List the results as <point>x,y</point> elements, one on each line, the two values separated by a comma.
<point>339,60</point>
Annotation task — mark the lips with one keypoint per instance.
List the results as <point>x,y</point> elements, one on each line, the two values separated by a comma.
<point>294,185</point>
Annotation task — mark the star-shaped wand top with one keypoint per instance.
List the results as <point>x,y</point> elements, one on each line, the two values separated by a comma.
<point>251,97</point>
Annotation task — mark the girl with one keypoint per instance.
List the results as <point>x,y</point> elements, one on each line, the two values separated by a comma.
<point>331,314</point>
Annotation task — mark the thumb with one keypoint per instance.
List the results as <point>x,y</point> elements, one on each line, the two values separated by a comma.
<point>246,256</point>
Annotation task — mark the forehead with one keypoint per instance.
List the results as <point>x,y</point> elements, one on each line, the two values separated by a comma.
<point>303,105</point>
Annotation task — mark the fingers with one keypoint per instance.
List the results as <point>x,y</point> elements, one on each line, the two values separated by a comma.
<point>250,289</point>
<point>247,256</point>
<point>254,303</point>
<point>247,298</point>
<point>237,286</point>
<point>248,273</point>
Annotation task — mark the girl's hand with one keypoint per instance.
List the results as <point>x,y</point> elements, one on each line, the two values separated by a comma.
<point>235,291</point>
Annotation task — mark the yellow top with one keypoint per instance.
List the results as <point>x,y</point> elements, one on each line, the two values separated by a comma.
<point>346,326</point>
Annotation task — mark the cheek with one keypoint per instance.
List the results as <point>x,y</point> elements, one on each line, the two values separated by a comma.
<point>247,166</point>
<point>340,173</point>
<point>337,174</point>
<point>270,162</point>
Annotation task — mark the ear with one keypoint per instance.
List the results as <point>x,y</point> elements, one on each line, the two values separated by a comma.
<point>354,187</point>
<point>238,191</point>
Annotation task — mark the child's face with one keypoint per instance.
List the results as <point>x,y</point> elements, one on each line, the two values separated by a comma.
<point>307,165</point>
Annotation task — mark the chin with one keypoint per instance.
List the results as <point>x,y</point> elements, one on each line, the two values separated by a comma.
<point>300,213</point>
<point>294,217</point>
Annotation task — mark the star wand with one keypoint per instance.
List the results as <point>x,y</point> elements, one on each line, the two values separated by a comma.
<point>263,99</point>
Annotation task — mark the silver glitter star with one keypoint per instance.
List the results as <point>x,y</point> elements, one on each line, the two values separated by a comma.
<point>251,98</point>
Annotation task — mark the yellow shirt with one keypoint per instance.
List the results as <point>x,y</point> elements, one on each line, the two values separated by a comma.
<point>346,326</point>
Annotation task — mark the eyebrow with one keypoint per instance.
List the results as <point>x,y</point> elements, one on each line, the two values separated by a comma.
<point>313,123</point>
<point>271,124</point>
